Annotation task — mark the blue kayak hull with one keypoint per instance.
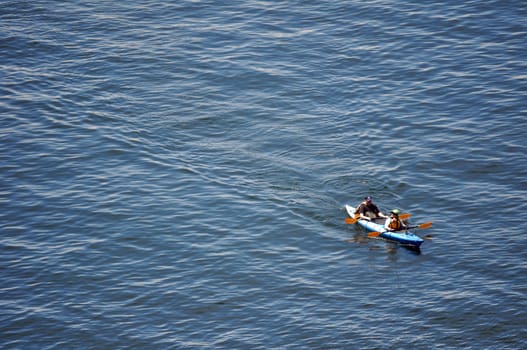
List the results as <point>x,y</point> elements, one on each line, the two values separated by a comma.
<point>406,238</point>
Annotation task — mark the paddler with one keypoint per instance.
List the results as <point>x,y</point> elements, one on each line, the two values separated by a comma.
<point>393,223</point>
<point>369,211</point>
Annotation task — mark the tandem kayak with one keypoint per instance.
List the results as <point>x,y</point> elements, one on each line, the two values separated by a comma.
<point>402,237</point>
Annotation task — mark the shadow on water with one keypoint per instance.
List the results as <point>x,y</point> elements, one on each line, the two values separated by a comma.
<point>394,246</point>
<point>413,249</point>
<point>362,239</point>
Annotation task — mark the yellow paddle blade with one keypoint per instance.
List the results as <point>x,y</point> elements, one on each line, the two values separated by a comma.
<point>374,234</point>
<point>350,220</point>
<point>425,225</point>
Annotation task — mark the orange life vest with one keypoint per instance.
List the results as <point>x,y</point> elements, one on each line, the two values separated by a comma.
<point>395,224</point>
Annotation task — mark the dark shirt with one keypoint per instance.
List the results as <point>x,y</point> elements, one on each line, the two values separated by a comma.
<point>365,208</point>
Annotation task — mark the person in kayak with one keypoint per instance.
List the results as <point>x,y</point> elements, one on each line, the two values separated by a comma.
<point>393,223</point>
<point>369,211</point>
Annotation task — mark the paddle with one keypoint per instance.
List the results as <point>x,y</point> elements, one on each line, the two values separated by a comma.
<point>352,220</point>
<point>357,217</point>
<point>425,225</point>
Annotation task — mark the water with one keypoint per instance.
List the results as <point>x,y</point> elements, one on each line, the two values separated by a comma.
<point>173,175</point>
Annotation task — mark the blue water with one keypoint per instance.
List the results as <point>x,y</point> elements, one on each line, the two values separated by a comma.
<point>173,174</point>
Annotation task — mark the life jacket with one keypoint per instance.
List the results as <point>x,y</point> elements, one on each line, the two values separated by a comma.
<point>395,224</point>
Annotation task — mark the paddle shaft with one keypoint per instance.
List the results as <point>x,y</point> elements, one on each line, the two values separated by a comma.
<point>357,218</point>
<point>425,225</point>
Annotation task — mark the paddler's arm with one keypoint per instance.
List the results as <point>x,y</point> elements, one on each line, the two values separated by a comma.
<point>362,213</point>
<point>365,217</point>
